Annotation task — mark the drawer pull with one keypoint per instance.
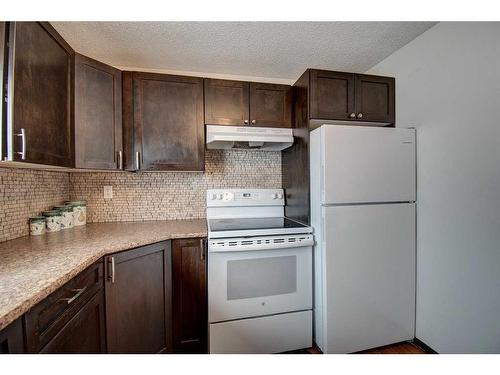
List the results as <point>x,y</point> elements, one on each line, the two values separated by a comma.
<point>79,292</point>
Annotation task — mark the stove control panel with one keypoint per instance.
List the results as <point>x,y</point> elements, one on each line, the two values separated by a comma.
<point>245,197</point>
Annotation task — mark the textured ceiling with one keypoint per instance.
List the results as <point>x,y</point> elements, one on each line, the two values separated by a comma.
<point>279,50</point>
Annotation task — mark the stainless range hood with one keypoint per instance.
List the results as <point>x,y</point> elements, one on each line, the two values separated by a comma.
<point>248,138</point>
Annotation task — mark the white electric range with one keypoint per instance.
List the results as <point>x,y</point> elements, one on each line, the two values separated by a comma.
<point>259,273</point>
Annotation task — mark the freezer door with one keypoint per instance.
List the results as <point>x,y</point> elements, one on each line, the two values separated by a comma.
<point>363,164</point>
<point>368,277</point>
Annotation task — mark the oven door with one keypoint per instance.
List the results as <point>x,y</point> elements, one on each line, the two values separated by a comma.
<point>272,276</point>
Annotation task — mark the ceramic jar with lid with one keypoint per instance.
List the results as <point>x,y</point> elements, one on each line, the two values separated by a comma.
<point>67,217</point>
<point>53,220</point>
<point>37,225</point>
<point>79,212</point>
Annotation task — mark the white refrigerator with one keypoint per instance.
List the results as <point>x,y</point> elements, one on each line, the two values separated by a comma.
<point>363,215</point>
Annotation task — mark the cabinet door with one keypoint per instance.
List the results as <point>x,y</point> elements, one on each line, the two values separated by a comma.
<point>189,296</point>
<point>331,95</point>
<point>168,122</point>
<point>375,98</point>
<point>3,144</point>
<point>270,105</point>
<point>11,338</point>
<point>98,121</point>
<point>84,333</point>
<point>49,316</point>
<point>39,95</point>
<point>226,102</point>
<point>138,300</point>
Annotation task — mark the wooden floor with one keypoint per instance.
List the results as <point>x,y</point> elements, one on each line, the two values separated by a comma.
<point>399,348</point>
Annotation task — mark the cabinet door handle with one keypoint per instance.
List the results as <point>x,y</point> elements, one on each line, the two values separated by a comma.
<point>352,115</point>
<point>120,160</point>
<point>245,121</point>
<point>360,115</point>
<point>137,160</point>
<point>254,122</point>
<point>79,292</point>
<point>23,144</point>
<point>112,272</point>
<point>203,247</point>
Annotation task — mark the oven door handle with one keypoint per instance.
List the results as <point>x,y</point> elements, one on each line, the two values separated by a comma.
<point>241,245</point>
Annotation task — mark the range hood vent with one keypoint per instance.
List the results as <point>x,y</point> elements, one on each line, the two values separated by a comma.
<point>248,138</point>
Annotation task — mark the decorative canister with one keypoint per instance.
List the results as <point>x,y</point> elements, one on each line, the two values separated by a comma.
<point>79,212</point>
<point>37,225</point>
<point>67,217</point>
<point>53,220</point>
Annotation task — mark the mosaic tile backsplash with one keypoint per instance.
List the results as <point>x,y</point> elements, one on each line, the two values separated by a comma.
<point>136,196</point>
<point>173,195</point>
<point>25,193</point>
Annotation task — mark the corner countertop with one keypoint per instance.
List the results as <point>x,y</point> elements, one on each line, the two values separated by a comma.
<point>32,267</point>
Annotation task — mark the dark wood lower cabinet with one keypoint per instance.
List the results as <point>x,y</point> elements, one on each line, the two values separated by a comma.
<point>189,296</point>
<point>11,338</point>
<point>151,299</point>
<point>138,300</point>
<point>49,317</point>
<point>84,333</point>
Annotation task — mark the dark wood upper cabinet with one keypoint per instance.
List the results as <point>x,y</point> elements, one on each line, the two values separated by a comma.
<point>84,333</point>
<point>331,95</point>
<point>270,105</point>
<point>226,102</point>
<point>189,296</point>
<point>375,98</point>
<point>138,292</point>
<point>12,338</point>
<point>98,115</point>
<point>40,95</point>
<point>163,115</point>
<point>239,103</point>
<point>351,97</point>
<point>3,130</point>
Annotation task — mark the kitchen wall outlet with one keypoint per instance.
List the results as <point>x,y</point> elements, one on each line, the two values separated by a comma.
<point>108,192</point>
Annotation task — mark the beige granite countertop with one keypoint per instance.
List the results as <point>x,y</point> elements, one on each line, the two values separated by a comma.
<point>33,267</point>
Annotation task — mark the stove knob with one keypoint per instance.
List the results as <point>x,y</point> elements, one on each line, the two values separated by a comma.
<point>219,196</point>
<point>280,196</point>
<point>275,196</point>
<point>213,196</point>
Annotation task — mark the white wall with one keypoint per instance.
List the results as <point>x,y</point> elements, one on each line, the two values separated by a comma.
<point>448,87</point>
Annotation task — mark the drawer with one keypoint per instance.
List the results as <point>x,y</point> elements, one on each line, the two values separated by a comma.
<point>267,334</point>
<point>84,333</point>
<point>46,319</point>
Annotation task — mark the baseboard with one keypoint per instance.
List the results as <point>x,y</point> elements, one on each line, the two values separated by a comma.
<point>422,345</point>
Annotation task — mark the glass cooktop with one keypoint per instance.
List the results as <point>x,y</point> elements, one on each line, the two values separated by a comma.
<point>241,224</point>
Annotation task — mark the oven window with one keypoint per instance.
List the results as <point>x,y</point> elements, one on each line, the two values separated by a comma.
<point>250,278</point>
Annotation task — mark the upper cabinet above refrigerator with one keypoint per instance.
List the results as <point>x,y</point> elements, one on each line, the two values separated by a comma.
<point>351,98</point>
<point>38,121</point>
